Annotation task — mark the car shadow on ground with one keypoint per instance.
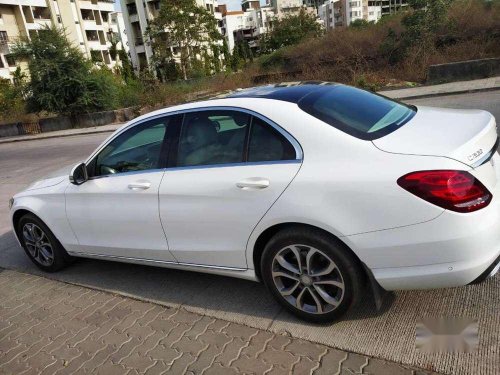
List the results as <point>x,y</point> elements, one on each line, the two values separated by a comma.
<point>218,296</point>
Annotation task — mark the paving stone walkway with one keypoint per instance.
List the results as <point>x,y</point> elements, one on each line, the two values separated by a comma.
<point>50,327</point>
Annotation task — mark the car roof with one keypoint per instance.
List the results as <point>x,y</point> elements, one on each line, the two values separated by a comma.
<point>289,91</point>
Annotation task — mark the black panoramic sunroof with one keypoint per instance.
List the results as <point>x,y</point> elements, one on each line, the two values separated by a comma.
<point>290,92</point>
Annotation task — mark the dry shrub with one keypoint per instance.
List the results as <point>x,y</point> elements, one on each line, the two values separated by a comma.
<point>351,55</point>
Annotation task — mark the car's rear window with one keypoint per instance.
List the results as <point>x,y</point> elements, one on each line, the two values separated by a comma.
<point>357,112</point>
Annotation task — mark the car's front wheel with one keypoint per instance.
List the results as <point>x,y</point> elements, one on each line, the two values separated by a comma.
<point>40,244</point>
<point>311,275</point>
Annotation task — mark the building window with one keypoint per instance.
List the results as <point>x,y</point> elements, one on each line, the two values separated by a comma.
<point>41,13</point>
<point>96,56</point>
<point>92,35</point>
<point>10,60</point>
<point>87,15</point>
<point>105,16</point>
<point>1,63</point>
<point>3,37</point>
<point>131,9</point>
<point>107,57</point>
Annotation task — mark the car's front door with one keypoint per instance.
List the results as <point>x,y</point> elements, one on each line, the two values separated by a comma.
<point>115,212</point>
<point>228,170</point>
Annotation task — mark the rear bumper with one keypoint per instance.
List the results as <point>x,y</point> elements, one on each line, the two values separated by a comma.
<point>444,275</point>
<point>451,250</point>
<point>490,272</point>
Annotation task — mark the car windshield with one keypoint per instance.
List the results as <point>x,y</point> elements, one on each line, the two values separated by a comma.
<point>357,112</point>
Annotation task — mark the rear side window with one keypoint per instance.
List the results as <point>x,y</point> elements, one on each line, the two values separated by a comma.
<point>212,137</point>
<point>357,112</point>
<point>266,144</point>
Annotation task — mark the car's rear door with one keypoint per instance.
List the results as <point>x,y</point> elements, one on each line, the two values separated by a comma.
<point>229,169</point>
<point>115,212</point>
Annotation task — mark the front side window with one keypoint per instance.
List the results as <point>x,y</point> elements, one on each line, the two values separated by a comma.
<point>139,148</point>
<point>357,112</point>
<point>212,137</point>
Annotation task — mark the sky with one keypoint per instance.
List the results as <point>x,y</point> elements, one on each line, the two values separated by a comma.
<point>231,4</point>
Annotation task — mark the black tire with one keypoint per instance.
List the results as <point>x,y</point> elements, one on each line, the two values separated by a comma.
<point>349,273</point>
<point>60,258</point>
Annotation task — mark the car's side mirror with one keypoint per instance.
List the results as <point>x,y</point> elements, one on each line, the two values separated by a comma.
<point>79,174</point>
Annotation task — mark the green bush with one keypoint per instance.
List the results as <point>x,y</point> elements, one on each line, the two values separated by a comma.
<point>12,106</point>
<point>62,80</point>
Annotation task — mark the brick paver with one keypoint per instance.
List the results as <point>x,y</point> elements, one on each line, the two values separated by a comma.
<point>48,327</point>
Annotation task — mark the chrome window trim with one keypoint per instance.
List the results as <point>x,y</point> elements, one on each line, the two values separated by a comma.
<point>228,165</point>
<point>205,166</point>
<point>299,155</point>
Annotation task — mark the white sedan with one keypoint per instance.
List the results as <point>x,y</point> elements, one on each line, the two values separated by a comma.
<point>318,190</point>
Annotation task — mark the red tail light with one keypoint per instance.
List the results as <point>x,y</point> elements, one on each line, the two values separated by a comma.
<point>453,190</point>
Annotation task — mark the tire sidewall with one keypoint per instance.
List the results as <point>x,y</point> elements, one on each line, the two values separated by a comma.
<point>345,262</point>
<point>57,249</point>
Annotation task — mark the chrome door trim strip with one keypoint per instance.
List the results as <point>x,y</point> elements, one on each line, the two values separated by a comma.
<point>182,264</point>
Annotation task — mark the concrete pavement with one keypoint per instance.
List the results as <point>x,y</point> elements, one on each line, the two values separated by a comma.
<point>389,334</point>
<point>62,133</point>
<point>48,327</point>
<point>452,88</point>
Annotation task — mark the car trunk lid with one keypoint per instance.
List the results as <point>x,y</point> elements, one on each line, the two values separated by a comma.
<point>468,136</point>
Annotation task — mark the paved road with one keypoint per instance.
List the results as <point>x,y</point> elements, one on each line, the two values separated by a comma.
<point>47,327</point>
<point>389,334</point>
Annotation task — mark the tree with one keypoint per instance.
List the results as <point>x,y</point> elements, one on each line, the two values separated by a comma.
<point>11,99</point>
<point>62,80</point>
<point>421,31</point>
<point>184,25</point>
<point>226,53</point>
<point>207,63</point>
<point>361,24</point>
<point>216,58</point>
<point>423,22</point>
<point>126,70</point>
<point>236,59</point>
<point>290,30</point>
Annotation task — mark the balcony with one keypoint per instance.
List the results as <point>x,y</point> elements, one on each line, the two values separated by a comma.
<point>131,9</point>
<point>87,15</point>
<point>139,41</point>
<point>41,13</point>
<point>92,35</point>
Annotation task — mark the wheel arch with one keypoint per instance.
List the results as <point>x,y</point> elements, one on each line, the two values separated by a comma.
<point>268,233</point>
<point>17,215</point>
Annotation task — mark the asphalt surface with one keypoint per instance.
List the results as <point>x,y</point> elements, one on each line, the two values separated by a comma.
<point>388,334</point>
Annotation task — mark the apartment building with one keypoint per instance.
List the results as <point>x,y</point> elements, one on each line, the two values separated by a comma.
<point>390,6</point>
<point>247,24</point>
<point>137,15</point>
<point>89,24</point>
<point>338,13</point>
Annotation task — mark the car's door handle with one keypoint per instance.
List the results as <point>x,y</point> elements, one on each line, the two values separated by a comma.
<point>139,185</point>
<point>253,183</point>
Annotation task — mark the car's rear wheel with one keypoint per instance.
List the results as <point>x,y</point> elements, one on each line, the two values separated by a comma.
<point>311,275</point>
<point>40,244</point>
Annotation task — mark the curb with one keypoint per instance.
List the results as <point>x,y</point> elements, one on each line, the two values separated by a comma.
<point>49,136</point>
<point>423,96</point>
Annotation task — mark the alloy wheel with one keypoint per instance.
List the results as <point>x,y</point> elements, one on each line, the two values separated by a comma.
<point>308,279</point>
<point>38,244</point>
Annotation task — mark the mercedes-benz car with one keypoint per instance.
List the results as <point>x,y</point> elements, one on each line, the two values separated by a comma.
<point>318,190</point>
